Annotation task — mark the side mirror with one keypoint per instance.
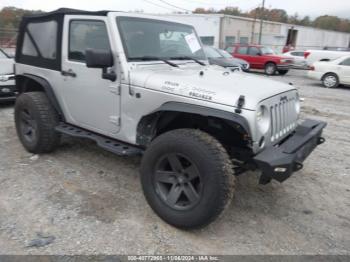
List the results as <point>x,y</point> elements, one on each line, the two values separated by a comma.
<point>259,54</point>
<point>103,59</point>
<point>96,58</point>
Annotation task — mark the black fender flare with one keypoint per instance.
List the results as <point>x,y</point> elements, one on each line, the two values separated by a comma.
<point>47,89</point>
<point>146,126</point>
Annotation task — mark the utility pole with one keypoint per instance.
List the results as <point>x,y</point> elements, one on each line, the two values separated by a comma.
<point>252,39</point>
<point>261,21</point>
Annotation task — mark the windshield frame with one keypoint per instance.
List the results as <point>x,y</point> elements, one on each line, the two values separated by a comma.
<point>134,18</point>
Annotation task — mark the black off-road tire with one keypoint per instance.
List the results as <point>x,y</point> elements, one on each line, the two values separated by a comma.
<point>283,72</point>
<point>270,69</point>
<point>215,171</point>
<point>36,120</point>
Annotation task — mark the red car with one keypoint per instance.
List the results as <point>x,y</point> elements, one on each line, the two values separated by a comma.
<point>262,57</point>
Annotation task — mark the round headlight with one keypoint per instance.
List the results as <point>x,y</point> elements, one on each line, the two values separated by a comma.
<point>263,119</point>
<point>297,104</point>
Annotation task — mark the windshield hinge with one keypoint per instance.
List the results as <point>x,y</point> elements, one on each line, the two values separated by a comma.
<point>240,104</point>
<point>115,120</point>
<point>115,89</point>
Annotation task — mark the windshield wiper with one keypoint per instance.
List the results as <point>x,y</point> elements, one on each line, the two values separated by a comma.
<point>187,58</point>
<point>154,58</point>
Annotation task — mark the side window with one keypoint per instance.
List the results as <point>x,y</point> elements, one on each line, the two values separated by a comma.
<point>346,62</point>
<point>41,40</point>
<point>297,53</point>
<point>242,50</point>
<point>253,51</point>
<point>28,46</point>
<point>86,34</point>
<point>230,49</point>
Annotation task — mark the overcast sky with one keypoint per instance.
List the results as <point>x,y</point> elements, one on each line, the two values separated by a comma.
<point>302,7</point>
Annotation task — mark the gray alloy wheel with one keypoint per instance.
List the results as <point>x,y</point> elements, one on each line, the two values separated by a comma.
<point>330,80</point>
<point>270,69</point>
<point>178,181</point>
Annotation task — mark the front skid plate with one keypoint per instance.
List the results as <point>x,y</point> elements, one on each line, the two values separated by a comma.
<point>109,144</point>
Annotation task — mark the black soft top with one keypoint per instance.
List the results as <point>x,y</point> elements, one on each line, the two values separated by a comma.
<point>58,17</point>
<point>65,11</point>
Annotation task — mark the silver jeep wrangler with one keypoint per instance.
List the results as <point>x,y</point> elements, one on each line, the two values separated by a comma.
<point>141,85</point>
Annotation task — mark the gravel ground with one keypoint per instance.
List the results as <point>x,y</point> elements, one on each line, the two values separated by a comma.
<point>87,201</point>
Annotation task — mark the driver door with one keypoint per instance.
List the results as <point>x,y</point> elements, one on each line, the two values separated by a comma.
<point>256,58</point>
<point>344,71</point>
<point>90,101</point>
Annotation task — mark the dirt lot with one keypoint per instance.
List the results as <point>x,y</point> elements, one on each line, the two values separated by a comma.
<point>90,201</point>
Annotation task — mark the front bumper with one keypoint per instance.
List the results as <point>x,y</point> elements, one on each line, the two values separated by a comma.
<point>280,162</point>
<point>8,90</point>
<point>284,66</point>
<point>315,75</point>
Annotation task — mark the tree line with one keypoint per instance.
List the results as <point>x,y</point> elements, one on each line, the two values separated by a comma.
<point>10,17</point>
<point>279,15</point>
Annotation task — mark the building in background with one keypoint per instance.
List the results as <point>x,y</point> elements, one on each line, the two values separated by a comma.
<point>224,30</point>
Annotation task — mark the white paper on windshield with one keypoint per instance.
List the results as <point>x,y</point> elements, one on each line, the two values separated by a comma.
<point>192,42</point>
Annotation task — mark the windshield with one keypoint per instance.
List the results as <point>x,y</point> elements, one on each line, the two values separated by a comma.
<point>147,39</point>
<point>267,50</point>
<point>224,53</point>
<point>211,52</point>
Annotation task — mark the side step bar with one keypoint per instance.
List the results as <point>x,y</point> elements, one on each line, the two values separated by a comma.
<point>109,144</point>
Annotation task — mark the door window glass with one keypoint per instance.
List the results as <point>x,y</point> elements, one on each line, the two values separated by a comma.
<point>346,62</point>
<point>253,51</point>
<point>84,35</point>
<point>242,50</point>
<point>229,49</point>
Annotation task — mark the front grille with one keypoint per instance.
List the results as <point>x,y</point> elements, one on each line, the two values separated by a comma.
<point>283,118</point>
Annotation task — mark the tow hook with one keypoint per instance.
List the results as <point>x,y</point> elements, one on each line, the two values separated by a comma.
<point>298,166</point>
<point>320,141</point>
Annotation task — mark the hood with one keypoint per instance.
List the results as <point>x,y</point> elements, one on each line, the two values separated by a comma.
<point>215,84</point>
<point>223,62</point>
<point>227,62</point>
<point>6,66</point>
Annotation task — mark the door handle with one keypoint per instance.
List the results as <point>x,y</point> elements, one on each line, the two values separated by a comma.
<point>68,73</point>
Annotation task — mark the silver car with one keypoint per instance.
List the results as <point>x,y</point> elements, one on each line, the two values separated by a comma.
<point>7,78</point>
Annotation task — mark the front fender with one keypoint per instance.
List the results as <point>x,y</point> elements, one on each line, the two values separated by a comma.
<point>147,126</point>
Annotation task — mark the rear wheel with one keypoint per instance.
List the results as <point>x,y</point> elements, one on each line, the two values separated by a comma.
<point>35,121</point>
<point>283,72</point>
<point>270,69</point>
<point>187,178</point>
<point>330,80</point>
